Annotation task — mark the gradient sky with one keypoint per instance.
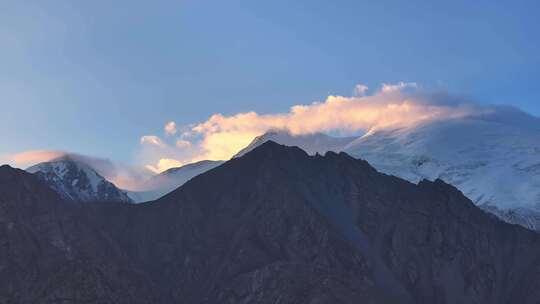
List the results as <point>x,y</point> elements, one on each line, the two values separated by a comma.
<point>94,76</point>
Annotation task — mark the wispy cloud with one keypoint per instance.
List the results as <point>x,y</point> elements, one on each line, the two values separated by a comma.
<point>152,140</point>
<point>27,158</point>
<point>181,143</point>
<point>392,106</point>
<point>388,88</point>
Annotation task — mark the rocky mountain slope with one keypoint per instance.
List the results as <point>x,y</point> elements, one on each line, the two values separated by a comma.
<point>275,225</point>
<point>167,181</point>
<point>76,181</point>
<point>279,224</point>
<point>50,252</point>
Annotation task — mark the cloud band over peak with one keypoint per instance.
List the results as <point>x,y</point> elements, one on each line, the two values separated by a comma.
<point>393,106</point>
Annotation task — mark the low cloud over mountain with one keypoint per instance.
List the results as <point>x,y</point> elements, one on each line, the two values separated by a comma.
<point>220,137</point>
<point>123,176</point>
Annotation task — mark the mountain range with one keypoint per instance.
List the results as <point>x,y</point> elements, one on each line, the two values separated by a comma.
<point>493,158</point>
<point>275,225</point>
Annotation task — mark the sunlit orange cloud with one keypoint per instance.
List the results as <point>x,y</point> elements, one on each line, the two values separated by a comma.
<point>393,106</point>
<point>29,158</point>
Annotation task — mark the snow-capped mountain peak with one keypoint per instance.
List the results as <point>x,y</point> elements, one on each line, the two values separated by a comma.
<point>494,159</point>
<point>77,181</point>
<point>491,162</point>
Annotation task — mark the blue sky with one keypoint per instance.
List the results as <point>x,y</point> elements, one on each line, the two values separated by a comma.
<point>94,76</point>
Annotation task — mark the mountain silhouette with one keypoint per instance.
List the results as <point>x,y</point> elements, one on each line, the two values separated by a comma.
<point>277,225</point>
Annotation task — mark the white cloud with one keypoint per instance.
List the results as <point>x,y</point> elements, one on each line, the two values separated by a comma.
<point>180,143</point>
<point>388,88</point>
<point>152,140</point>
<point>170,128</point>
<point>360,89</point>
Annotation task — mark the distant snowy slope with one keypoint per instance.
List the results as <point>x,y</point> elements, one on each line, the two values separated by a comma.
<point>165,182</point>
<point>491,162</point>
<point>311,143</point>
<point>526,217</point>
<point>76,181</point>
<point>493,159</point>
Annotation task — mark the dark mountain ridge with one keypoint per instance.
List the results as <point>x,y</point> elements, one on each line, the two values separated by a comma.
<point>279,226</point>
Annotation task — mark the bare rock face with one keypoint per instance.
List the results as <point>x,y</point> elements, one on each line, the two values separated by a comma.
<point>275,226</point>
